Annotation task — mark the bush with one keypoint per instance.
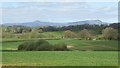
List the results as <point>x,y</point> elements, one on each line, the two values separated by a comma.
<point>69,34</point>
<point>41,45</point>
<point>21,47</point>
<point>60,47</point>
<point>85,34</point>
<point>37,45</point>
<point>110,33</point>
<point>44,47</point>
<point>27,46</point>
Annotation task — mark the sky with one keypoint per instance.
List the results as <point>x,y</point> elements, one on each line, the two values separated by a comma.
<point>58,12</point>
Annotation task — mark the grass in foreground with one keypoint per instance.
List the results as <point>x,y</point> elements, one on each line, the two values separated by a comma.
<point>60,58</point>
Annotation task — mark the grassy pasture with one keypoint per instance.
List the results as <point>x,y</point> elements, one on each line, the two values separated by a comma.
<point>62,58</point>
<point>79,44</point>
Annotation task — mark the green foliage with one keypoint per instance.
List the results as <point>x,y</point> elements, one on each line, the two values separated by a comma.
<point>27,46</point>
<point>109,45</point>
<point>60,47</point>
<point>38,45</point>
<point>41,45</point>
<point>40,41</point>
<point>44,47</point>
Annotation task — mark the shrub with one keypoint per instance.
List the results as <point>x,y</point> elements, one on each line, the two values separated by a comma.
<point>38,45</point>
<point>28,46</point>
<point>41,45</point>
<point>110,33</point>
<point>60,47</point>
<point>44,47</point>
<point>85,34</point>
<point>40,41</point>
<point>21,47</point>
<point>69,34</point>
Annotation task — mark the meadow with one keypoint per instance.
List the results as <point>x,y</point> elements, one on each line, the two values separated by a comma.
<point>83,56</point>
<point>60,58</point>
<point>85,52</point>
<point>59,34</point>
<point>79,44</point>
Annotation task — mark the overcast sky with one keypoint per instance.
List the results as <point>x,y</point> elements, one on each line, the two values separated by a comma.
<point>61,12</point>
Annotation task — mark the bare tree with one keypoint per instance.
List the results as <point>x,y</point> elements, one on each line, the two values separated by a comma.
<point>85,34</point>
<point>69,34</point>
<point>110,33</point>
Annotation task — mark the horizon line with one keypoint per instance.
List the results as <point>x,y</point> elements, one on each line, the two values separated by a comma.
<point>60,22</point>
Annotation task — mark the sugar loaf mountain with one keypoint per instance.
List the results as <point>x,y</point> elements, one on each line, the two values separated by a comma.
<point>39,23</point>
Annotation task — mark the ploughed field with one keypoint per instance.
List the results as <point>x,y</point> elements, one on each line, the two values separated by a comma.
<point>86,53</point>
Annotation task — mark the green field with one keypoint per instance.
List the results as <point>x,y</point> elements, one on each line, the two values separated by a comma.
<point>60,58</point>
<point>79,44</point>
<point>63,58</point>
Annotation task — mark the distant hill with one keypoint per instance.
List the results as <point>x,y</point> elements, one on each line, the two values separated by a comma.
<point>39,23</point>
<point>35,23</point>
<point>91,22</point>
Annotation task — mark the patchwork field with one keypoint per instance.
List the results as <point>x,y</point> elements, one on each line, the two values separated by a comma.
<point>88,57</point>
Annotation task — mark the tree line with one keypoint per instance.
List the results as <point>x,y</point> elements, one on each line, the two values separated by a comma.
<point>110,31</point>
<point>22,29</point>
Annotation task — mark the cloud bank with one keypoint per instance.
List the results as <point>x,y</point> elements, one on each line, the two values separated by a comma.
<point>61,12</point>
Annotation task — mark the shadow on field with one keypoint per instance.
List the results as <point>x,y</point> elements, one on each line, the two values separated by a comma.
<point>59,67</point>
<point>8,50</point>
<point>79,50</point>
